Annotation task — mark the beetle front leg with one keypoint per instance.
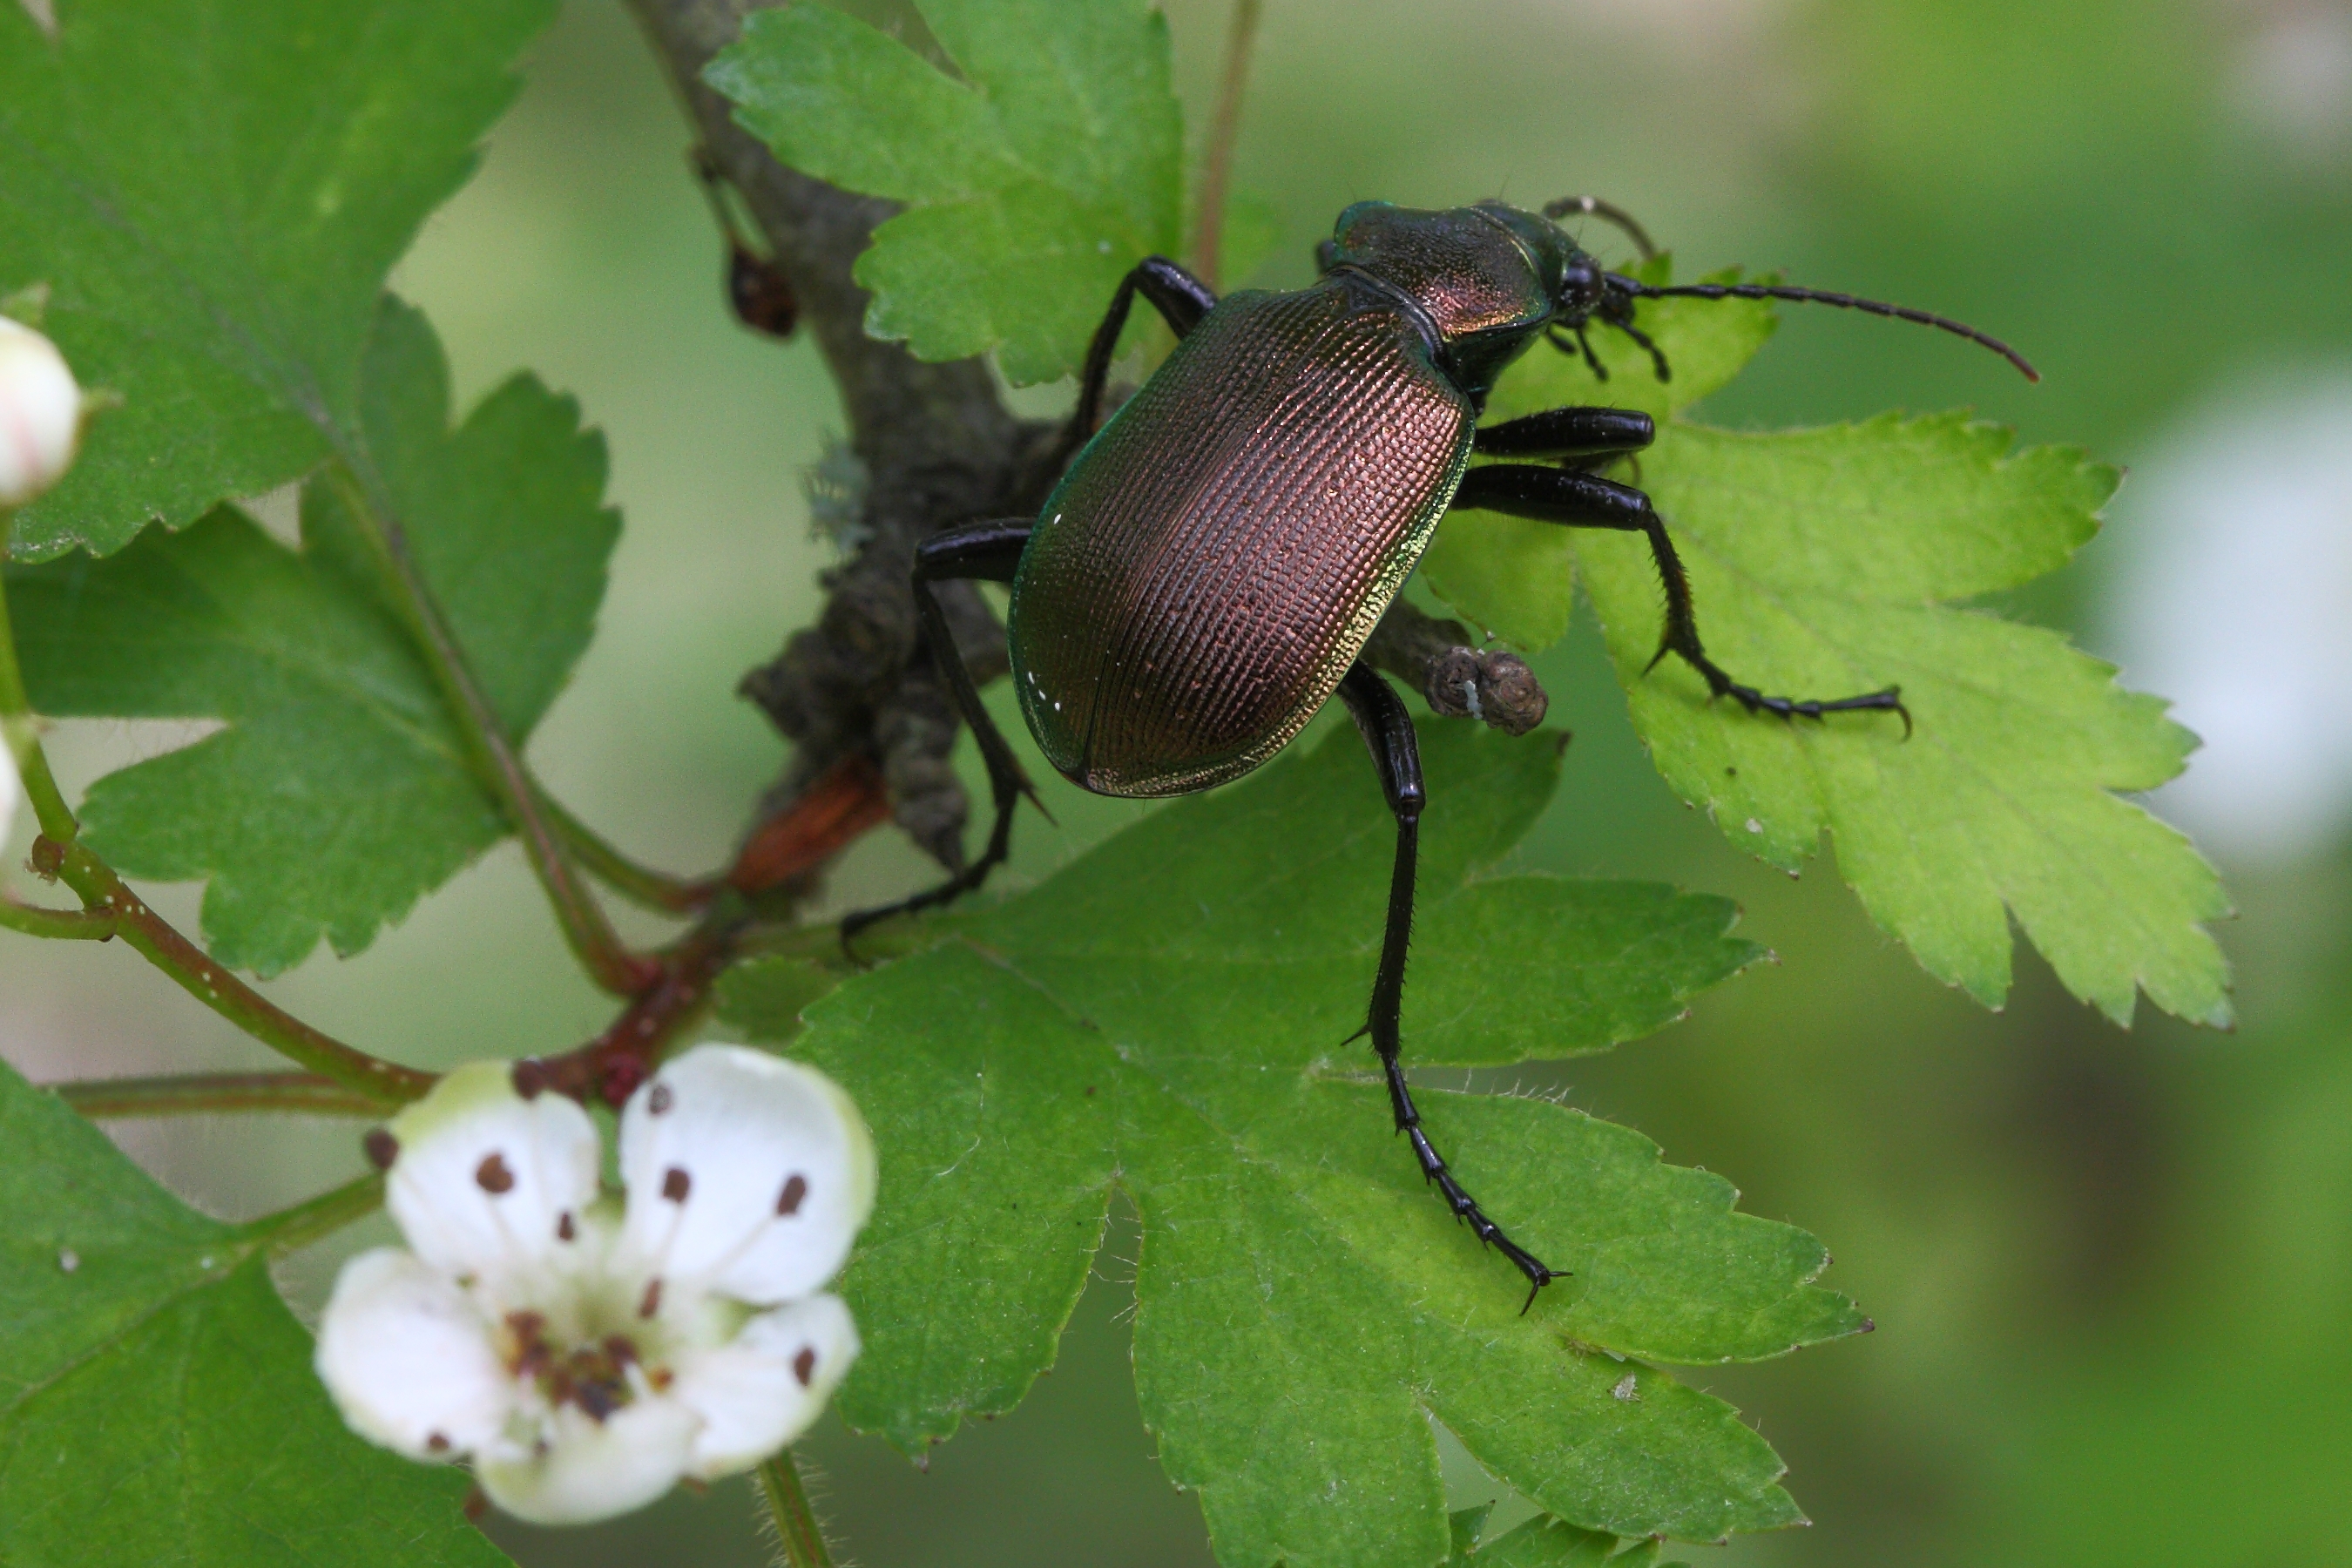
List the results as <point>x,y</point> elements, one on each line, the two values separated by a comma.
<point>983,552</point>
<point>1182,300</point>
<point>1585,501</point>
<point>1380,713</point>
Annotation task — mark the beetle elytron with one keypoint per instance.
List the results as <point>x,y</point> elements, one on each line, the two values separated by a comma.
<point>1207,571</point>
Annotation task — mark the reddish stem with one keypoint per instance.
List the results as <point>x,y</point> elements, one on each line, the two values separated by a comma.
<point>827,818</point>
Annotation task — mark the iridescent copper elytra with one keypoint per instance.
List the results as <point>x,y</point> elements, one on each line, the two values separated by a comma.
<point>1209,566</point>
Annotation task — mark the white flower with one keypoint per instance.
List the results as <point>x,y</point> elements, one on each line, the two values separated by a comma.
<point>40,413</point>
<point>586,1354</point>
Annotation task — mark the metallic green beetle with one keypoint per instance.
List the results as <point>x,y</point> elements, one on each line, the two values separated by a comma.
<point>1205,575</point>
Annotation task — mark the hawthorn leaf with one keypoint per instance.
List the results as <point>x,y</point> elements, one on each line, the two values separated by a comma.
<point>1031,181</point>
<point>1537,1542</point>
<point>156,1398</point>
<point>1169,1015</point>
<point>339,792</point>
<point>1839,560</point>
<point>213,193</point>
<point>1515,578</point>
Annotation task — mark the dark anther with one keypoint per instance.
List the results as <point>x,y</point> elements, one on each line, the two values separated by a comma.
<point>381,1147</point>
<point>650,1304</point>
<point>436,1442</point>
<point>564,1229</point>
<point>493,1176</point>
<point>659,1102</point>
<point>677,1183</point>
<point>595,1398</point>
<point>789,1201</point>
<point>805,1365</point>
<point>529,1077</point>
<point>622,1349</point>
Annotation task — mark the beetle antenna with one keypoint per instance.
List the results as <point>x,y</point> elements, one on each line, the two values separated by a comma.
<point>1607,212</point>
<point>1820,297</point>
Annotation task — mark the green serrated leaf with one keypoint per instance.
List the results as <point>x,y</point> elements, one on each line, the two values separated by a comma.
<point>1033,182</point>
<point>214,193</point>
<point>1515,578</point>
<point>156,1398</point>
<point>1826,561</point>
<point>1466,1525</point>
<point>340,793</point>
<point>1170,1015</point>
<point>1542,1542</point>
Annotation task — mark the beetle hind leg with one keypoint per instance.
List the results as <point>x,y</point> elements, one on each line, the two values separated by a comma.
<point>985,552</point>
<point>1387,729</point>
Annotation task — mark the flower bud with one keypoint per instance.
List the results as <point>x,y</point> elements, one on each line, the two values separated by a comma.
<point>40,413</point>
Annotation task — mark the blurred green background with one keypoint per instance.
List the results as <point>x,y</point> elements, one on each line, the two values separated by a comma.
<point>2112,1272</point>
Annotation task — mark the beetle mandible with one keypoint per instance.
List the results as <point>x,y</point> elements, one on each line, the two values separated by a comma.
<point>1208,567</point>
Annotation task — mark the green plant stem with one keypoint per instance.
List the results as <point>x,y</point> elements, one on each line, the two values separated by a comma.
<point>1224,129</point>
<point>110,909</point>
<point>60,925</point>
<point>582,919</point>
<point>292,1229</point>
<point>104,893</point>
<point>194,1094</point>
<point>640,884</point>
<point>17,729</point>
<point>788,1505</point>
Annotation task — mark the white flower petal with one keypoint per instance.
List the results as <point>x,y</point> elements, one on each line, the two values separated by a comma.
<point>589,1469</point>
<point>747,1174</point>
<point>487,1184</point>
<point>409,1359</point>
<point>40,413</point>
<point>766,1388</point>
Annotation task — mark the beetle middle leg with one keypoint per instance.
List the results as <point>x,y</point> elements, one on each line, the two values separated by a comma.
<point>982,552</point>
<point>1387,729</point>
<point>1586,500</point>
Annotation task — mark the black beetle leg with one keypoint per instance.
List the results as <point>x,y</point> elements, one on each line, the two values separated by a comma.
<point>1586,500</point>
<point>983,552</point>
<point>1387,728</point>
<point>1182,300</point>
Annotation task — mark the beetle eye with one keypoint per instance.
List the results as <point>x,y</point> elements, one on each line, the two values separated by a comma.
<point>1580,289</point>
